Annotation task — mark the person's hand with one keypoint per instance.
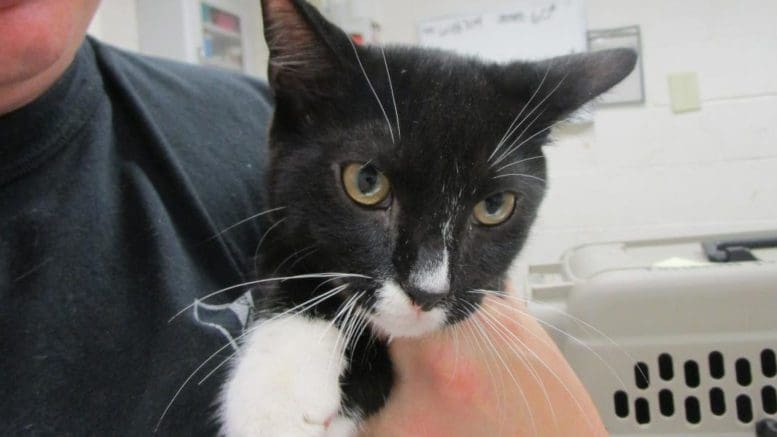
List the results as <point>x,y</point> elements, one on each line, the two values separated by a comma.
<point>496,374</point>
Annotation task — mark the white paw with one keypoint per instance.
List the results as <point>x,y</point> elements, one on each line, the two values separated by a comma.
<point>286,381</point>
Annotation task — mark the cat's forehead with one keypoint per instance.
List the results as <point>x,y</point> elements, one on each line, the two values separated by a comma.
<point>429,112</point>
<point>430,103</point>
<point>435,89</point>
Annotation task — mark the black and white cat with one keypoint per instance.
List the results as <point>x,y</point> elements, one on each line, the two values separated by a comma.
<point>406,179</point>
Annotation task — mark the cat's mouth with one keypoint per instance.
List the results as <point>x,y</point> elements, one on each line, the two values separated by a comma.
<point>394,314</point>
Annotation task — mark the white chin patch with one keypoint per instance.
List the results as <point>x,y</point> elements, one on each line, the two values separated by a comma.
<point>395,315</point>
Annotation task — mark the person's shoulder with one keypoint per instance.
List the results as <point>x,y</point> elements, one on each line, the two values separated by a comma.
<point>164,81</point>
<point>210,125</point>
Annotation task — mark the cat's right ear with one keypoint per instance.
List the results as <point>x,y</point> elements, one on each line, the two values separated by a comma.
<point>563,84</point>
<point>303,45</point>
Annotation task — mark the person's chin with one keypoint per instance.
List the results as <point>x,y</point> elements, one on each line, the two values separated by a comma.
<point>35,35</point>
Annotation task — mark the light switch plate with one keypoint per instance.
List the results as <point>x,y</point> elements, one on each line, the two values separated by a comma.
<point>684,92</point>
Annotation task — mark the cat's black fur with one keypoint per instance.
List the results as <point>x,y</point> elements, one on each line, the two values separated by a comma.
<point>452,112</point>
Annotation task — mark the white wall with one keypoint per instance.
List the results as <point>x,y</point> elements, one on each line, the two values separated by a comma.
<point>116,22</point>
<point>642,171</point>
<point>258,51</point>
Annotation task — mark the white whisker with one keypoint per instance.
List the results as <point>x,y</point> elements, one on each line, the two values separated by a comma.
<point>255,216</point>
<point>511,130</point>
<point>393,96</point>
<point>185,382</point>
<point>372,88</point>
<point>325,282</point>
<point>496,385</point>
<point>493,347</point>
<point>520,161</point>
<point>356,325</point>
<point>512,148</point>
<point>215,369</point>
<point>561,331</point>
<point>302,258</point>
<point>362,326</point>
<point>353,322</point>
<point>475,338</point>
<point>522,175</point>
<point>544,364</point>
<point>310,303</point>
<point>539,104</point>
<point>343,330</point>
<point>266,233</point>
<point>502,331</point>
<point>453,332</point>
<point>290,257</point>
<point>262,281</point>
<point>341,309</point>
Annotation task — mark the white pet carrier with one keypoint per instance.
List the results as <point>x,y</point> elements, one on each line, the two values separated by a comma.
<point>671,337</point>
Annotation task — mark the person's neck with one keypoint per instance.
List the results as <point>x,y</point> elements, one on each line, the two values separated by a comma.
<point>14,95</point>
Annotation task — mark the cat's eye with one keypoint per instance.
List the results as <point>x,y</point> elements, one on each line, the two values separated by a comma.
<point>364,184</point>
<point>495,209</point>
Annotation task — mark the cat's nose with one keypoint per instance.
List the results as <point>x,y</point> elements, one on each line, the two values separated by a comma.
<point>424,299</point>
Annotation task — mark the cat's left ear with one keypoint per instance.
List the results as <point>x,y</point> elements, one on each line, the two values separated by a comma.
<point>305,48</point>
<point>562,85</point>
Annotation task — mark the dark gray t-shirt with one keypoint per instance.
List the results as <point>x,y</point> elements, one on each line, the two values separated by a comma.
<point>113,185</point>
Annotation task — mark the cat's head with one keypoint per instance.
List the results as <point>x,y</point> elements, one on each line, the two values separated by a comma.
<point>419,168</point>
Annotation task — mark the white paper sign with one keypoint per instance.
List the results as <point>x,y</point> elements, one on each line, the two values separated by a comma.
<point>532,29</point>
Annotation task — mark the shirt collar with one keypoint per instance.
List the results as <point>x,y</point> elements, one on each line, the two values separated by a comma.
<point>32,133</point>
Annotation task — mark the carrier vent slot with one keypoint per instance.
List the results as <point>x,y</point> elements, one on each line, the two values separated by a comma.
<point>666,402</point>
<point>621,400</point>
<point>744,409</point>
<point>769,399</point>
<point>665,368</point>
<point>717,369</point>
<point>692,410</point>
<point>691,373</point>
<point>717,402</point>
<point>768,363</point>
<point>744,377</point>
<point>642,411</point>
<point>642,375</point>
<point>717,399</point>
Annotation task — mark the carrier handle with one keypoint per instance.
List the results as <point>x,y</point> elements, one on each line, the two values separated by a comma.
<point>723,251</point>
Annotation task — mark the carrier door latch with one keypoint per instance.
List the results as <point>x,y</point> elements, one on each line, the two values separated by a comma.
<point>724,251</point>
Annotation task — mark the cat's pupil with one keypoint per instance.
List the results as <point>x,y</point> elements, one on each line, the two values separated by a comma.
<point>367,180</point>
<point>494,203</point>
